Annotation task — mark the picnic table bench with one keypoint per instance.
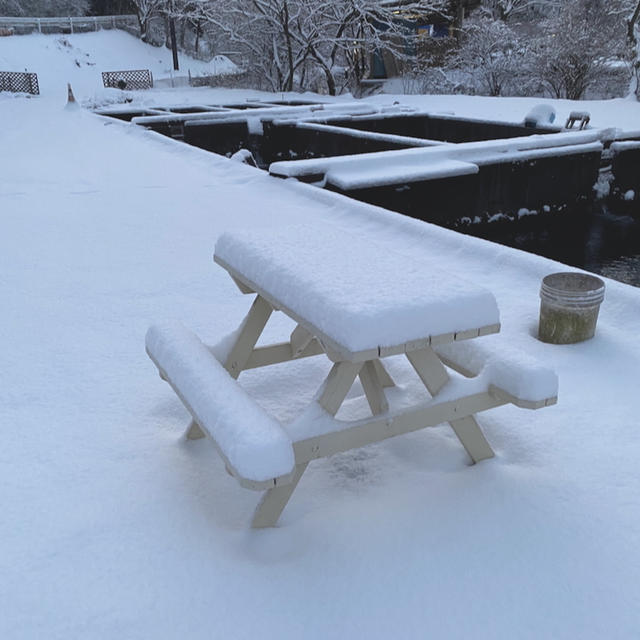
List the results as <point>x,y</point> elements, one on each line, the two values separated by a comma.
<point>357,303</point>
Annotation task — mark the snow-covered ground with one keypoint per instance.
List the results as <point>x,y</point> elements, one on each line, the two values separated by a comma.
<point>114,526</point>
<point>82,57</point>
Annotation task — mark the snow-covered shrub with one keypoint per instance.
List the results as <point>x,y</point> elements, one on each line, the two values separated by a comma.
<point>427,80</point>
<point>612,83</point>
<point>576,45</point>
<point>44,8</point>
<point>491,55</point>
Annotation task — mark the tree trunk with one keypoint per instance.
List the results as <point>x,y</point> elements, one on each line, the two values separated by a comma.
<point>143,23</point>
<point>198,32</point>
<point>458,18</point>
<point>631,25</point>
<point>331,82</point>
<point>174,44</point>
<point>287,36</point>
<point>633,43</point>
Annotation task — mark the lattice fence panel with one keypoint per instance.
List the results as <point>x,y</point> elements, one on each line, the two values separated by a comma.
<point>19,82</point>
<point>133,79</point>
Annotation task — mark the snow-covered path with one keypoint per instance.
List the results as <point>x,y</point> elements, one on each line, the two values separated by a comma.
<point>113,525</point>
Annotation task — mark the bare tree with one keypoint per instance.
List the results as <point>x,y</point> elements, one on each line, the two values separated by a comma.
<point>266,33</point>
<point>291,41</point>
<point>490,54</point>
<point>348,32</point>
<point>146,10</point>
<point>578,44</point>
<point>633,16</point>
<point>44,8</point>
<point>506,9</point>
<point>11,8</point>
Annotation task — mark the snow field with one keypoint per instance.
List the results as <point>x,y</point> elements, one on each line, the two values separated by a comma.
<point>80,59</point>
<point>114,526</point>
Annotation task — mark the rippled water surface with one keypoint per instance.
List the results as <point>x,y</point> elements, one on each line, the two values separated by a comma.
<point>599,237</point>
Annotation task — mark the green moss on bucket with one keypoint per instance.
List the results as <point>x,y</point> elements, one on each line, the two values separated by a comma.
<point>566,325</point>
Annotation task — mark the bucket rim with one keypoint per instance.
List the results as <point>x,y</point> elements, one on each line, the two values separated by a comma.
<point>572,289</point>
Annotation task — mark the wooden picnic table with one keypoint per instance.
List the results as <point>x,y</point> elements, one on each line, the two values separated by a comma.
<point>358,302</point>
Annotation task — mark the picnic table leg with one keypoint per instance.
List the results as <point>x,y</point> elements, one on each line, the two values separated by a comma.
<point>250,331</point>
<point>385,378</point>
<point>434,376</point>
<point>429,368</point>
<point>373,388</point>
<point>300,340</point>
<point>337,385</point>
<point>472,438</point>
<point>275,500</point>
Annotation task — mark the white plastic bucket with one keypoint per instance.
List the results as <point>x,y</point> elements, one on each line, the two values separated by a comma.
<point>569,306</point>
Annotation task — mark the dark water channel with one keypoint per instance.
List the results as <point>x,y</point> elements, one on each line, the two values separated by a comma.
<point>602,237</point>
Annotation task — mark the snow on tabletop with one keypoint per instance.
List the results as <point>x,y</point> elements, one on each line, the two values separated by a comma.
<point>254,443</point>
<point>358,293</point>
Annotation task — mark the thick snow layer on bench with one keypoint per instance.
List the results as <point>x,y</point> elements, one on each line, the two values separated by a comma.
<point>516,372</point>
<point>360,294</point>
<point>253,442</point>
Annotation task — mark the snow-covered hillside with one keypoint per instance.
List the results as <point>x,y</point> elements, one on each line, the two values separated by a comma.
<point>80,59</point>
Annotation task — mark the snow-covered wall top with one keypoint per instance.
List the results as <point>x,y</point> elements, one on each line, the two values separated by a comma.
<point>266,112</point>
<point>386,167</point>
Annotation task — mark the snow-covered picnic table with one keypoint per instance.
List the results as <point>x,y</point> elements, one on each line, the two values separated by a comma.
<point>357,302</point>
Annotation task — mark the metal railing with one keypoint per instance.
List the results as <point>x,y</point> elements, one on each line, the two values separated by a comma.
<point>70,25</point>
